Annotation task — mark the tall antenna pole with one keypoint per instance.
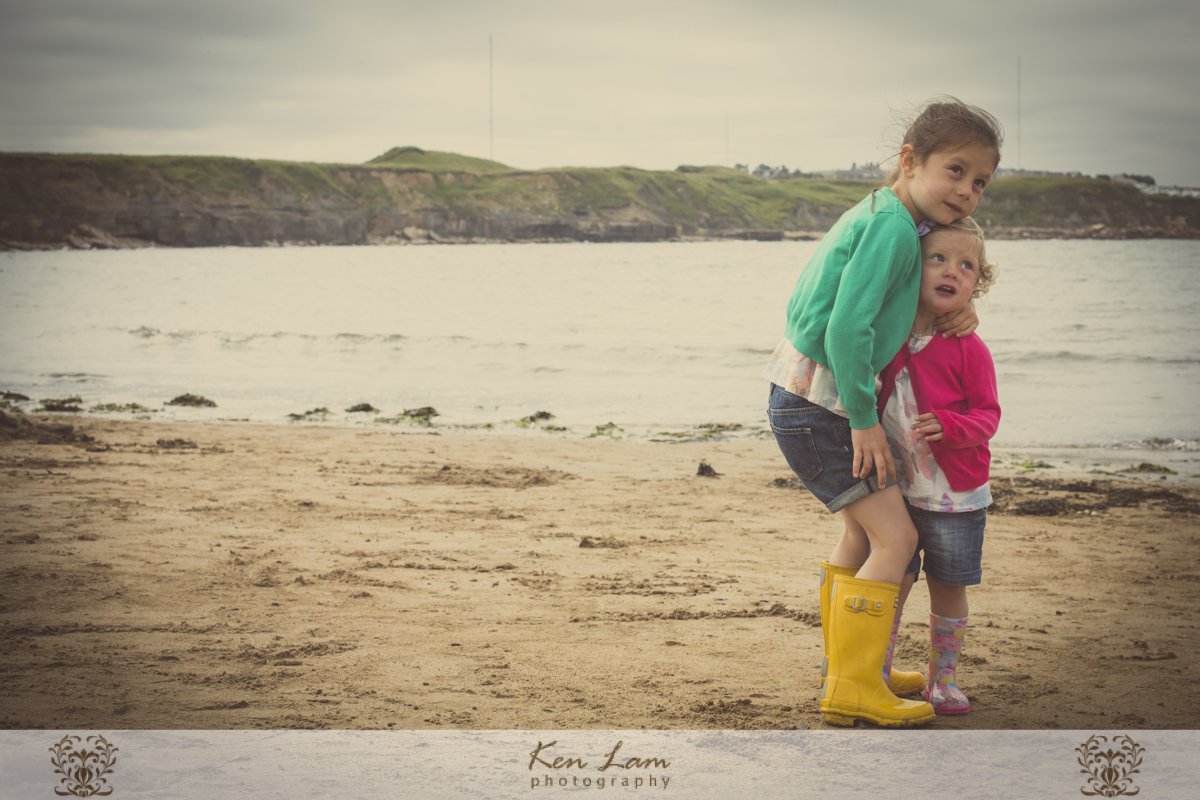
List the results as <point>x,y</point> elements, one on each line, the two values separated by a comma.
<point>491,106</point>
<point>727,139</point>
<point>1019,163</point>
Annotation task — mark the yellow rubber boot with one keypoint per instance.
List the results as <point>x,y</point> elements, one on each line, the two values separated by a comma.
<point>900,683</point>
<point>860,625</point>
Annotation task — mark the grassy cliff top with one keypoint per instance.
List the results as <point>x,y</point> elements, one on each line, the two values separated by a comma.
<point>437,161</point>
<point>703,197</point>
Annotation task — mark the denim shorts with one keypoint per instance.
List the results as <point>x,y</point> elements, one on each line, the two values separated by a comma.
<point>952,544</point>
<point>816,443</point>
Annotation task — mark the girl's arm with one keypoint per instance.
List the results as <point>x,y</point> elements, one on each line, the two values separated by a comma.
<point>958,323</point>
<point>882,265</point>
<point>872,453</point>
<point>978,423</point>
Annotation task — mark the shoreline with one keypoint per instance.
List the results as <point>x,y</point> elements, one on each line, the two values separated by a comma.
<point>95,239</point>
<point>172,574</point>
<point>1170,461</point>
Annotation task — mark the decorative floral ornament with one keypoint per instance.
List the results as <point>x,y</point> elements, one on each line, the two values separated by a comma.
<point>1110,769</point>
<point>83,771</point>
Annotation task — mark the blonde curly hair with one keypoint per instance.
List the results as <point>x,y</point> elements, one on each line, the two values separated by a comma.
<point>987,270</point>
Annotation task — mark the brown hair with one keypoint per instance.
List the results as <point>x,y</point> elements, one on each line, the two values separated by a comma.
<point>946,122</point>
<point>987,270</point>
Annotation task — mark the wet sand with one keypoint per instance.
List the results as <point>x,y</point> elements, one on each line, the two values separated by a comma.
<point>223,575</point>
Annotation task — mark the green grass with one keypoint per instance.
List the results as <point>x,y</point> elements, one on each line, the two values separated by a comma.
<point>705,197</point>
<point>194,175</point>
<point>1047,202</point>
<point>696,198</point>
<point>436,161</point>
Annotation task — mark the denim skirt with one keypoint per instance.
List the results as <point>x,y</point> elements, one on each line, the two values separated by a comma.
<point>816,443</point>
<point>951,543</point>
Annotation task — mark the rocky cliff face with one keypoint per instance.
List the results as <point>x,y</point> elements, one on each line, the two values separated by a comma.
<point>118,201</point>
<point>108,202</point>
<point>49,199</point>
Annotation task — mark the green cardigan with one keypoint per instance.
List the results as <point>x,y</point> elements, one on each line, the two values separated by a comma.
<point>854,304</point>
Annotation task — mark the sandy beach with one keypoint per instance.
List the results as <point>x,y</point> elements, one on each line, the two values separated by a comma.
<point>225,575</point>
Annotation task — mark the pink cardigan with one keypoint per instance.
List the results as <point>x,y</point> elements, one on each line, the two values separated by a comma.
<point>956,380</point>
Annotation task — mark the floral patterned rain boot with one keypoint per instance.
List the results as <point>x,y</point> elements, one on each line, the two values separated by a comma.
<point>901,683</point>
<point>946,641</point>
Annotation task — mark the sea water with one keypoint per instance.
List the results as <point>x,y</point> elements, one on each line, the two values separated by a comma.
<point>1095,342</point>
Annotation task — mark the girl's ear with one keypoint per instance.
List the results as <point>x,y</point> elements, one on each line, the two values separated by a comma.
<point>908,160</point>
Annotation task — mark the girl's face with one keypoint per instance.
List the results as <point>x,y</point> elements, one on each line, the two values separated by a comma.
<point>948,184</point>
<point>949,270</point>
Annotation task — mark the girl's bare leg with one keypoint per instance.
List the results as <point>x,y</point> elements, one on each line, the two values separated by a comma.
<point>946,600</point>
<point>889,529</point>
<point>854,541</point>
<point>853,548</point>
<point>905,587</point>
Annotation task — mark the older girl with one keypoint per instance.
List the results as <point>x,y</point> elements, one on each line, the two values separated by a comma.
<point>851,310</point>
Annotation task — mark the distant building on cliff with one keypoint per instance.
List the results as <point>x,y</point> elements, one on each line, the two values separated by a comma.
<point>1036,173</point>
<point>857,172</point>
<point>869,171</point>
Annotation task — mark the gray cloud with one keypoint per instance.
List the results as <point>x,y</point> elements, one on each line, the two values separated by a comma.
<point>1106,85</point>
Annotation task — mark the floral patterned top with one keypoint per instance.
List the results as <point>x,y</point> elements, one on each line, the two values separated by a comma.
<point>922,482</point>
<point>795,372</point>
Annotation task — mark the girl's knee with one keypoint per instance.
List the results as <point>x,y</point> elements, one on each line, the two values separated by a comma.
<point>901,538</point>
<point>945,593</point>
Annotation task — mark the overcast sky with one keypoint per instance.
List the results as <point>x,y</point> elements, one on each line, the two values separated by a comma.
<point>1106,86</point>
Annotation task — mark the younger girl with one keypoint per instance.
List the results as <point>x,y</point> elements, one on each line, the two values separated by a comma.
<point>851,310</point>
<point>939,408</point>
